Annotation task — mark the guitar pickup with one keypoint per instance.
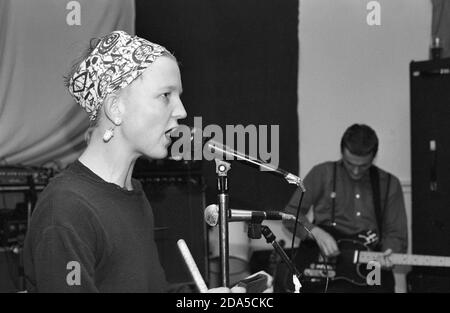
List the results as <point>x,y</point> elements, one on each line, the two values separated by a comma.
<point>320,273</point>
<point>322,266</point>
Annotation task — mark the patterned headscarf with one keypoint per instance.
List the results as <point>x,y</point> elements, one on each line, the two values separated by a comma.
<point>117,60</point>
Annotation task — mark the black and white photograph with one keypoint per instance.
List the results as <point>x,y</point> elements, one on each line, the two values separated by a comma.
<point>228,154</point>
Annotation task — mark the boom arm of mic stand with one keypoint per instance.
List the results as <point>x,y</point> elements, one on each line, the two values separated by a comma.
<point>270,238</point>
<point>290,178</point>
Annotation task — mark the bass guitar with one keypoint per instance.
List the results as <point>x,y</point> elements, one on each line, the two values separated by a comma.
<point>355,261</point>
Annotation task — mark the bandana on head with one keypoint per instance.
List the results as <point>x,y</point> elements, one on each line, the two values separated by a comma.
<point>117,60</point>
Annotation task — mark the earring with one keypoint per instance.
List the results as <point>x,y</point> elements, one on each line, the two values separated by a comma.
<point>118,121</point>
<point>109,133</point>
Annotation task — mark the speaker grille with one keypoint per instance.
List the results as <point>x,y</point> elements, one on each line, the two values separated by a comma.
<point>176,193</point>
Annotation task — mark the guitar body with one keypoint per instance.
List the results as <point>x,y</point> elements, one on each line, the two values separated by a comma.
<point>344,275</point>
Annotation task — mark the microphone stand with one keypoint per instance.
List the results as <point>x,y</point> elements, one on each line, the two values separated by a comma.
<point>255,229</point>
<point>270,238</point>
<point>222,168</point>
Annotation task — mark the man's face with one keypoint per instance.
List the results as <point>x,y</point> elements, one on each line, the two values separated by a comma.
<point>152,108</point>
<point>355,165</point>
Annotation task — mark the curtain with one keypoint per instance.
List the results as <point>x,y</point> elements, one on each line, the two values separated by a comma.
<point>39,41</point>
<point>441,24</point>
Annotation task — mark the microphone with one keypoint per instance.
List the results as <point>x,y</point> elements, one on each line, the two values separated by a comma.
<point>212,215</point>
<point>223,151</point>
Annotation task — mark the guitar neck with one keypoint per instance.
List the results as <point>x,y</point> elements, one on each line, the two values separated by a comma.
<point>403,259</point>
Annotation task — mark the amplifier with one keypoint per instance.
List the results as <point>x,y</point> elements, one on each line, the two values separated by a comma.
<point>146,167</point>
<point>175,190</point>
<point>13,227</point>
<point>24,176</point>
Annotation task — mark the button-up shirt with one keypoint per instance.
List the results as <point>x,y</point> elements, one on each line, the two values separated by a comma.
<point>354,207</point>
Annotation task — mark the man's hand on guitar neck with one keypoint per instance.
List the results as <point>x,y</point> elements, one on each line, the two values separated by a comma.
<point>325,241</point>
<point>384,260</point>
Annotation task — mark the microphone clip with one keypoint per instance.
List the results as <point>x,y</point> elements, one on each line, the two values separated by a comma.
<point>254,230</point>
<point>222,167</point>
<point>255,227</point>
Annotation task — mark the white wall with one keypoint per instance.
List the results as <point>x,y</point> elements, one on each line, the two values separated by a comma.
<point>350,72</point>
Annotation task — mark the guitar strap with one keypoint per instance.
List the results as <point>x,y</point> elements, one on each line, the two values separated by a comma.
<point>376,196</point>
<point>333,197</point>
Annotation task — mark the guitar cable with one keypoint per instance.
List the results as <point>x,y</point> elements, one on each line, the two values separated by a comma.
<point>297,215</point>
<point>325,259</point>
<point>294,251</point>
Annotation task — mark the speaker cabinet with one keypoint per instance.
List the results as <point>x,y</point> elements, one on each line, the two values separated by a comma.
<point>430,172</point>
<point>176,193</point>
<point>422,282</point>
<point>10,281</point>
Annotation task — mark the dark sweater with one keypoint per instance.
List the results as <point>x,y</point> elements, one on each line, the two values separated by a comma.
<point>105,229</point>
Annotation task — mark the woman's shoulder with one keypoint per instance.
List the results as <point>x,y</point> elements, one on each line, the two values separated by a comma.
<point>65,195</point>
<point>65,183</point>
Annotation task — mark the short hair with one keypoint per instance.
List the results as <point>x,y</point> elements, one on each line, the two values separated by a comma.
<point>360,139</point>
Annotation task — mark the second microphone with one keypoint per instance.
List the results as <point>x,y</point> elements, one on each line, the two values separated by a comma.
<point>212,215</point>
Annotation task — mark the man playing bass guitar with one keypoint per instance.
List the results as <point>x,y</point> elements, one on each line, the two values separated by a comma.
<point>350,197</point>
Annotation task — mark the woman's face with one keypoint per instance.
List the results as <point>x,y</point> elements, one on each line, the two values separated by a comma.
<point>152,107</point>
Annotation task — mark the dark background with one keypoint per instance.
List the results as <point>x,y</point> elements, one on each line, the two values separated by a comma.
<point>238,61</point>
<point>430,116</point>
